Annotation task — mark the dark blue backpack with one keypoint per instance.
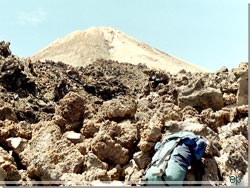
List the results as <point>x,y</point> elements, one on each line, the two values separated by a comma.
<point>173,157</point>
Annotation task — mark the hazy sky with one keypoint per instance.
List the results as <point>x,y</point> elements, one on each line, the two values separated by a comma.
<point>209,33</point>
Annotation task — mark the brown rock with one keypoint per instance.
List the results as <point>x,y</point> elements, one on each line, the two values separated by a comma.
<point>211,172</point>
<point>8,167</point>
<point>196,128</point>
<point>128,134</point>
<point>115,173</point>
<point>94,168</point>
<point>132,173</point>
<point>89,128</point>
<point>242,109</point>
<point>48,155</point>
<point>11,129</point>
<point>188,112</point>
<point>243,67</point>
<point>229,99</point>
<point>70,109</point>
<point>222,70</point>
<point>105,141</point>
<point>172,127</point>
<point>242,94</point>
<point>142,159</point>
<point>3,174</point>
<point>233,155</point>
<point>145,146</point>
<point>152,134</point>
<point>72,179</point>
<point>123,107</point>
<point>84,147</point>
<point>202,99</point>
<point>4,49</point>
<point>4,133</point>
<point>7,113</point>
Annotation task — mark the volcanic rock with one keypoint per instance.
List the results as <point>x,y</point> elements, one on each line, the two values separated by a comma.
<point>116,113</point>
<point>64,117</point>
<point>4,49</point>
<point>242,95</point>
<point>202,99</point>
<point>119,108</point>
<point>105,141</point>
<point>8,168</point>
<point>48,156</point>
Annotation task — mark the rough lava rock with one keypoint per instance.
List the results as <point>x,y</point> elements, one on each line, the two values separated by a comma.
<point>242,94</point>
<point>8,168</point>
<point>101,122</point>
<point>64,117</point>
<point>48,156</point>
<point>202,99</point>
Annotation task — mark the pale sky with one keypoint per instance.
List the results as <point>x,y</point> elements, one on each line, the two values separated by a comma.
<point>208,33</point>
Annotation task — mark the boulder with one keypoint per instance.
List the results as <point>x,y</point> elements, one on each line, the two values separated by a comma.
<point>142,159</point>
<point>4,49</point>
<point>132,173</point>
<point>14,79</point>
<point>145,146</point>
<point>242,94</point>
<point>115,173</point>
<point>8,167</point>
<point>211,170</point>
<point>202,99</point>
<point>122,107</point>
<point>3,174</point>
<point>128,134</point>
<point>153,134</point>
<point>222,70</point>
<point>90,127</point>
<point>48,155</point>
<point>105,141</point>
<point>188,112</point>
<point>196,128</point>
<point>7,113</point>
<point>229,99</point>
<point>94,168</point>
<point>69,112</point>
<point>11,129</point>
<point>241,69</point>
<point>4,133</point>
<point>233,157</point>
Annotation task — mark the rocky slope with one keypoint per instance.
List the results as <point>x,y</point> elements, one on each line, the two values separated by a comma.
<point>75,125</point>
<point>81,48</point>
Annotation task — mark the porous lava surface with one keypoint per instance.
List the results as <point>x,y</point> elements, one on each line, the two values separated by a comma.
<point>77,125</point>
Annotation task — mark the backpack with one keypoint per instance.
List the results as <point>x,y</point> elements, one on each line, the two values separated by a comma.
<point>173,158</point>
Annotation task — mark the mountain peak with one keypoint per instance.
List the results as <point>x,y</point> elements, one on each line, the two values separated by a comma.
<point>81,48</point>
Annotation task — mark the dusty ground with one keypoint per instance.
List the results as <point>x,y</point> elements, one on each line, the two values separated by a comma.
<point>77,125</point>
<point>81,48</point>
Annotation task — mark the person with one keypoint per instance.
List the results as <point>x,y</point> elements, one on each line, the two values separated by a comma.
<point>173,158</point>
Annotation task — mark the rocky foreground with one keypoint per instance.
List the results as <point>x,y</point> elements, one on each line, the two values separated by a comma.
<point>76,125</point>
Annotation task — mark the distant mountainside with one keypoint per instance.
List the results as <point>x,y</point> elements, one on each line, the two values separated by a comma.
<point>81,48</point>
